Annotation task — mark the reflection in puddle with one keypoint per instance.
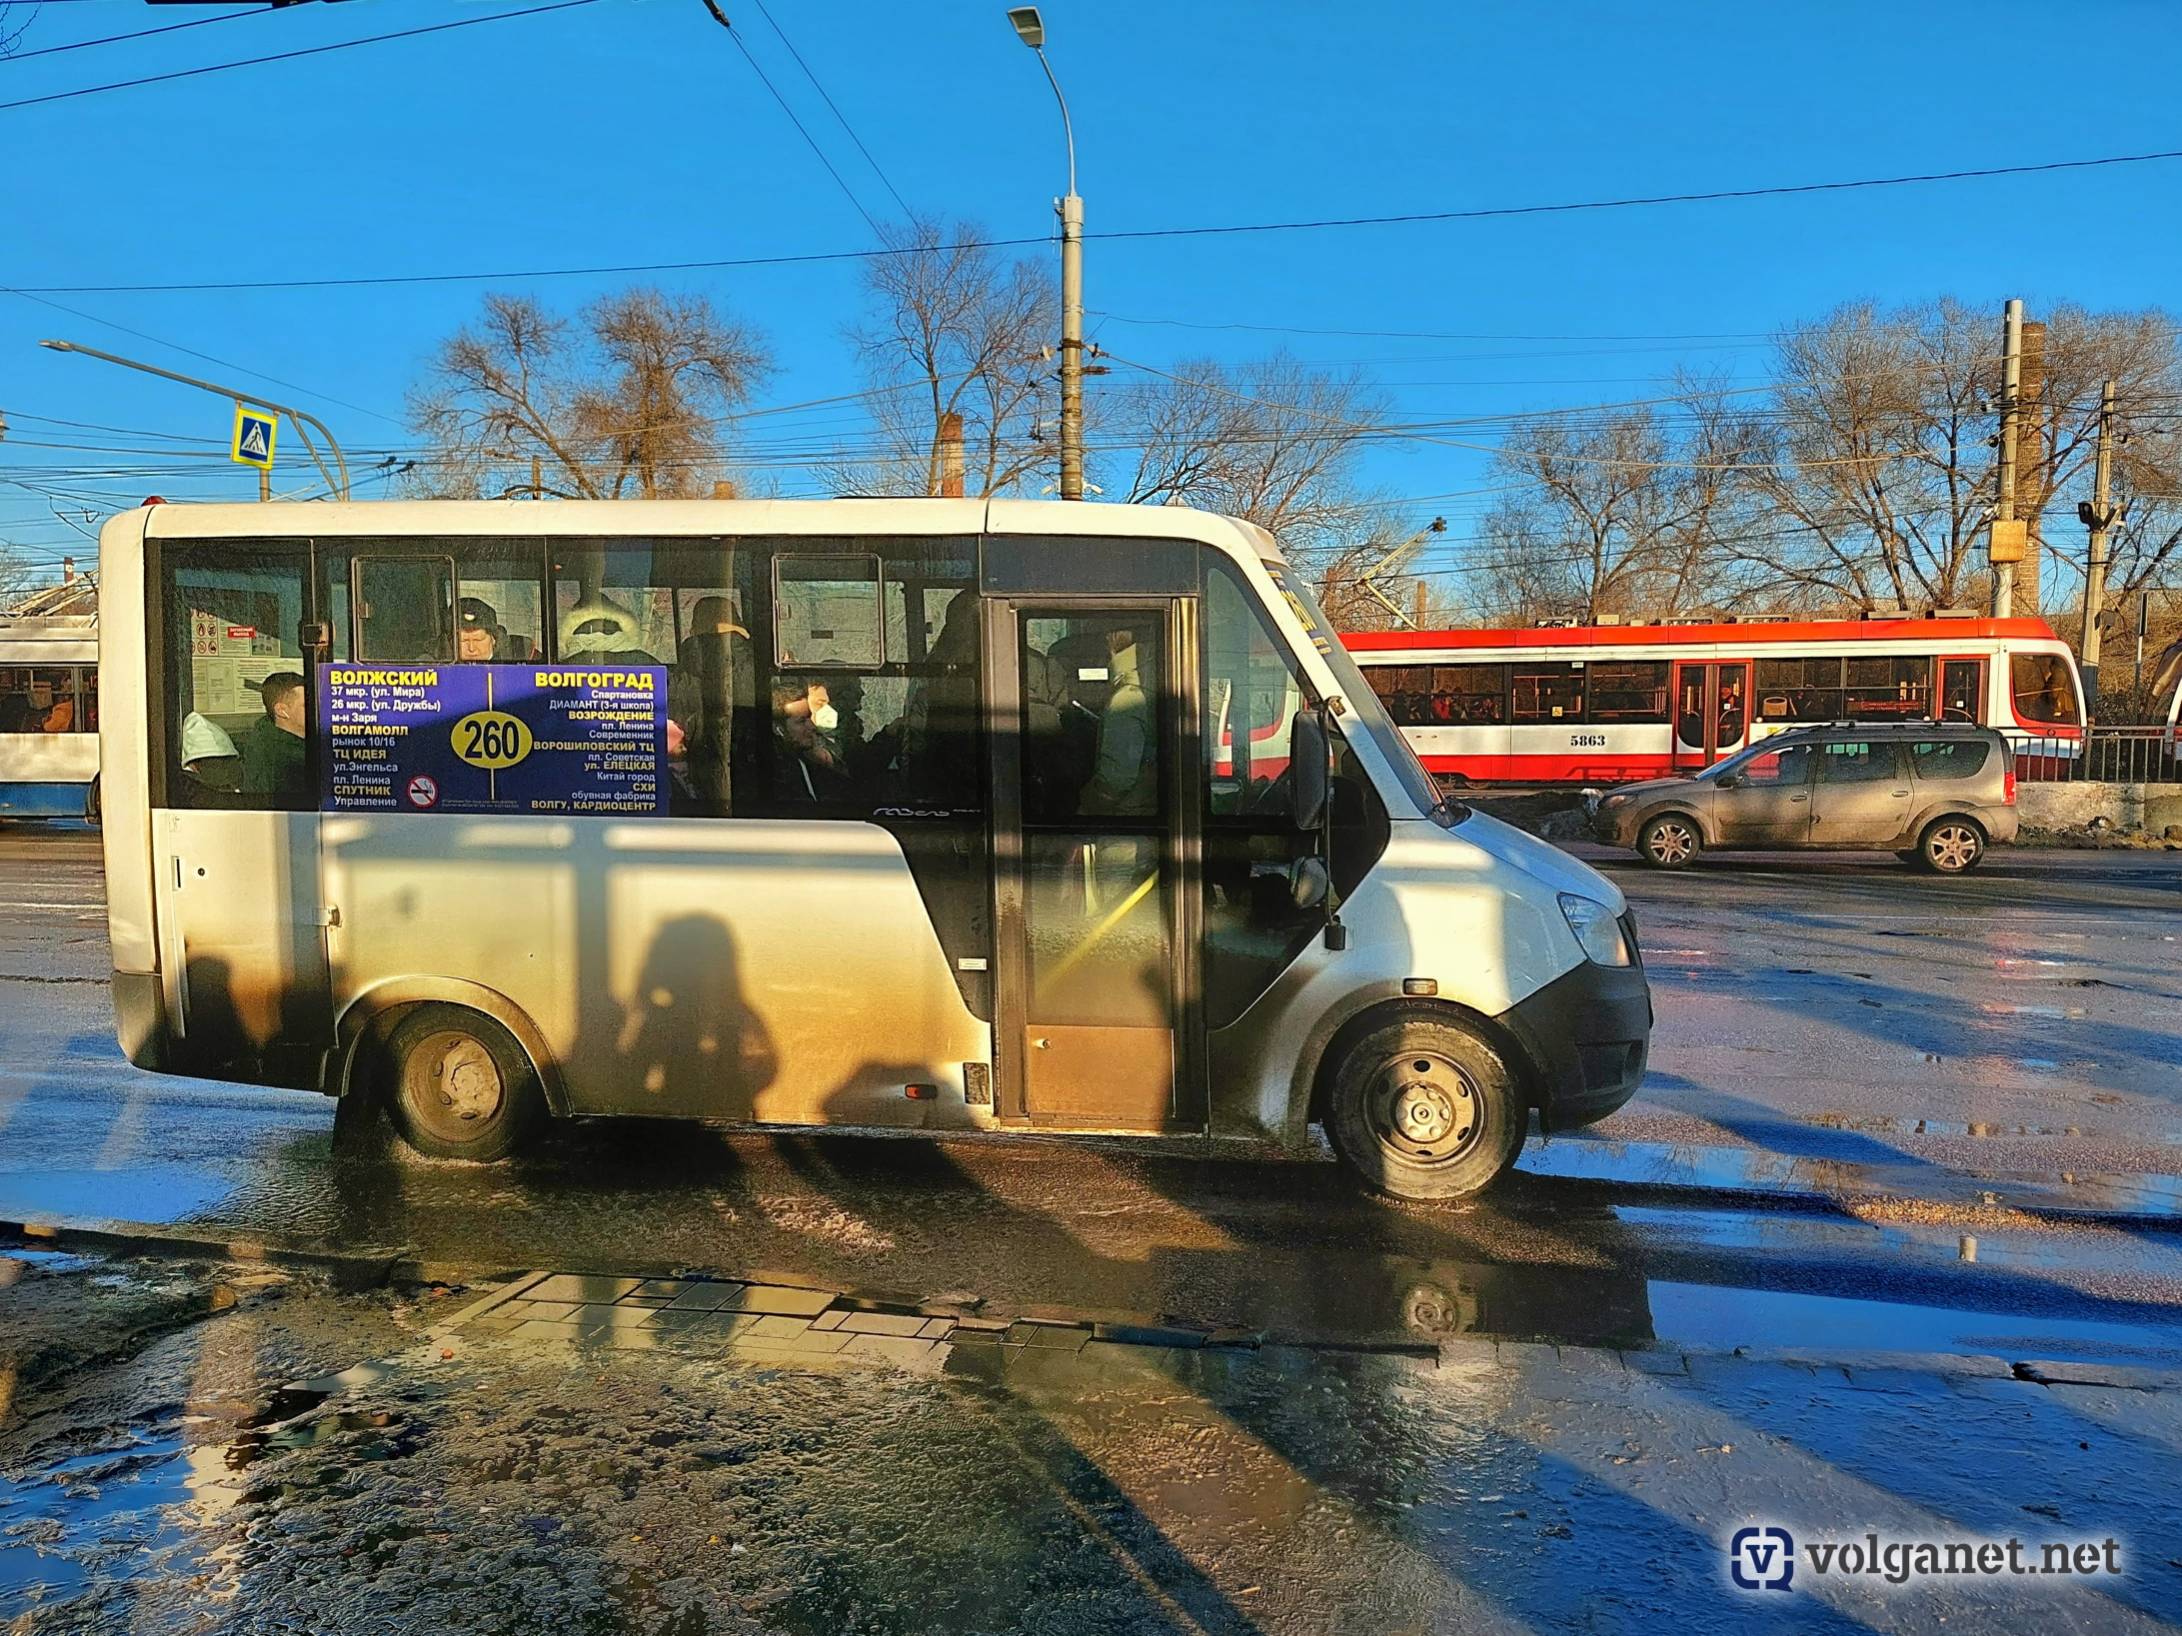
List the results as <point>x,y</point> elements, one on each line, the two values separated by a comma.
<point>1764,1172</point>
<point>90,1520</point>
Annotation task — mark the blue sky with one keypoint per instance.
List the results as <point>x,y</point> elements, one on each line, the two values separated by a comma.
<point>632,131</point>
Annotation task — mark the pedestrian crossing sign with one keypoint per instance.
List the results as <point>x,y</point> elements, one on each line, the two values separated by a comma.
<point>254,429</point>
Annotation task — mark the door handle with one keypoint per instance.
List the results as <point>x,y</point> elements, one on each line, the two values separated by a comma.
<point>1901,795</point>
<point>1804,797</point>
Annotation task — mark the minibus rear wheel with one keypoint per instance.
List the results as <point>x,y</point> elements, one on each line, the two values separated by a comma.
<point>458,1086</point>
<point>1424,1107</point>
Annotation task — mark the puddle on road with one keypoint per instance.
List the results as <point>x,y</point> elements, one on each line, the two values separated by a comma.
<point>93,1518</point>
<point>1719,1318</point>
<point>1762,1172</point>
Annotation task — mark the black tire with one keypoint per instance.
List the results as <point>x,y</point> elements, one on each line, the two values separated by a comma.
<point>1951,846</point>
<point>93,807</point>
<point>1670,841</point>
<point>1422,1107</point>
<point>457,1086</point>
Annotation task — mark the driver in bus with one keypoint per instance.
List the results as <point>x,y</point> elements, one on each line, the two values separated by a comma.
<point>477,636</point>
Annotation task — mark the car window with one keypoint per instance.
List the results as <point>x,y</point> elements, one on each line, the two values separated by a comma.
<point>1855,761</point>
<point>1788,765</point>
<point>1950,758</point>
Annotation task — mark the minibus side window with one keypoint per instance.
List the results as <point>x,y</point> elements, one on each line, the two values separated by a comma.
<point>405,609</point>
<point>1251,694</point>
<point>235,694</point>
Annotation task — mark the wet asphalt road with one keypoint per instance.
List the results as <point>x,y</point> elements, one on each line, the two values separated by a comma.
<point>190,1447</point>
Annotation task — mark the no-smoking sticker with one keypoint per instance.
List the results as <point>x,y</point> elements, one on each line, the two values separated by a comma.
<point>423,792</point>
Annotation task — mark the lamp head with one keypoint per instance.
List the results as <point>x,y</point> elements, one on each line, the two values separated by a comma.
<point>1028,26</point>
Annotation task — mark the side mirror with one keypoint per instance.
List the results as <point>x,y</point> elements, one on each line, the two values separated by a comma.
<point>1309,882</point>
<point>1308,786</point>
<point>1728,781</point>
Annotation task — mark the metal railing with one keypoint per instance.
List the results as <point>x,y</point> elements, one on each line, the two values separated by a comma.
<point>2114,755</point>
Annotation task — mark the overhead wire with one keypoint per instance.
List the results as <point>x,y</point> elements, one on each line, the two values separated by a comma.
<point>839,117</point>
<point>140,34</point>
<point>291,56</point>
<point>794,119</point>
<point>1117,235</point>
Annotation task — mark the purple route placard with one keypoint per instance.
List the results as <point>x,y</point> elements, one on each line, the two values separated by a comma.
<point>493,738</point>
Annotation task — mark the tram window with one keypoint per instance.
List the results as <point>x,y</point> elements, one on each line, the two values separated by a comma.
<point>232,734</point>
<point>1629,690</point>
<point>1544,690</point>
<point>2043,690</point>
<point>1405,691</point>
<point>1800,690</point>
<point>1470,695</point>
<point>1888,687</point>
<point>47,699</point>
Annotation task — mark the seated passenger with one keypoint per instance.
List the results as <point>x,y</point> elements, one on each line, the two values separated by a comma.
<point>211,770</point>
<point>600,631</point>
<point>713,697</point>
<point>274,768</point>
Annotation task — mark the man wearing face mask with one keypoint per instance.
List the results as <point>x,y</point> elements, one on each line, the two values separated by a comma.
<point>807,727</point>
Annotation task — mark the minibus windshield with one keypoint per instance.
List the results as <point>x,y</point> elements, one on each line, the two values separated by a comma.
<point>1367,716</point>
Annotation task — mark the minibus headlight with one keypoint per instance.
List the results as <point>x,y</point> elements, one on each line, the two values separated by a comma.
<point>1596,929</point>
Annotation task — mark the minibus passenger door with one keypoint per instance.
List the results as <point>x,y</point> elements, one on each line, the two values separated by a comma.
<point>1089,798</point>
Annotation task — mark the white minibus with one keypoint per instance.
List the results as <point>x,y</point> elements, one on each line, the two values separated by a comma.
<point>940,815</point>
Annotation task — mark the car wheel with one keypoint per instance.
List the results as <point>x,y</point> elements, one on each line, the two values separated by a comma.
<point>1669,842</point>
<point>1424,1108</point>
<point>458,1086</point>
<point>1951,846</point>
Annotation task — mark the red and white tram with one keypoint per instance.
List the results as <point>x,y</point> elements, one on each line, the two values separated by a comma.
<point>1602,704</point>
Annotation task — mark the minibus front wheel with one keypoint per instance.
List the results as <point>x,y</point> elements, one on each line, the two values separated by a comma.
<point>457,1085</point>
<point>1423,1107</point>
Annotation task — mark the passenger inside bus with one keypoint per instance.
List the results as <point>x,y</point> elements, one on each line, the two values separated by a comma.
<point>712,696</point>
<point>1126,778</point>
<point>599,630</point>
<point>273,760</point>
<point>211,770</point>
<point>477,632</point>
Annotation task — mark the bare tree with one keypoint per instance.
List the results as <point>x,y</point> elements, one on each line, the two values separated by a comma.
<point>1275,442</point>
<point>952,329</point>
<point>1621,511</point>
<point>625,401</point>
<point>1881,470</point>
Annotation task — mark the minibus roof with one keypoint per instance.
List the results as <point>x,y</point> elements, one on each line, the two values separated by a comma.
<point>515,518</point>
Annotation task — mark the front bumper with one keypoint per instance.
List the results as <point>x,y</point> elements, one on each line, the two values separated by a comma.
<point>1587,1034</point>
<point>1616,826</point>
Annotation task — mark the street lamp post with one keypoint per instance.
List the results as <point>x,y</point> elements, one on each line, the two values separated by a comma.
<point>1032,31</point>
<point>339,485</point>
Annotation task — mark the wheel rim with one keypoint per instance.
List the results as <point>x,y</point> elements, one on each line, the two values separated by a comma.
<point>1672,842</point>
<point>1953,846</point>
<point>453,1086</point>
<point>1425,1108</point>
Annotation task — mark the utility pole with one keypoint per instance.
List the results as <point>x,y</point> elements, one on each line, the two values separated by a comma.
<point>537,478</point>
<point>2005,542</point>
<point>2033,462</point>
<point>2098,515</point>
<point>1032,32</point>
